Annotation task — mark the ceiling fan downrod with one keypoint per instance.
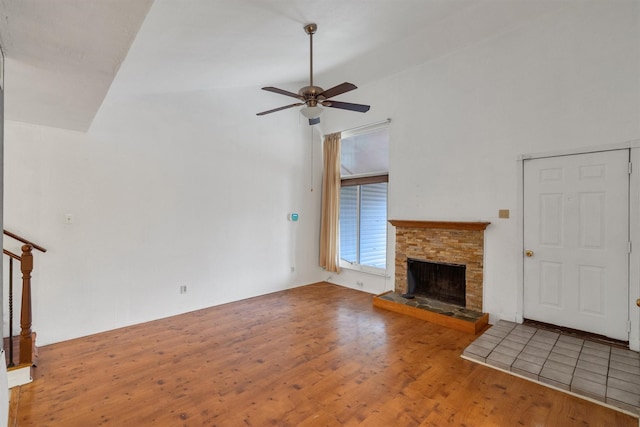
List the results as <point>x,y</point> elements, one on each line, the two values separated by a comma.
<point>311,30</point>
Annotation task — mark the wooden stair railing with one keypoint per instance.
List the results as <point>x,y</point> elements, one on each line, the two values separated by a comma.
<point>26,267</point>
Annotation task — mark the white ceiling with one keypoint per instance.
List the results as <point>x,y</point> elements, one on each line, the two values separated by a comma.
<point>62,56</point>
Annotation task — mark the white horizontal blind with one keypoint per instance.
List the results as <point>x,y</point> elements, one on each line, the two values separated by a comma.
<point>373,224</point>
<point>349,224</point>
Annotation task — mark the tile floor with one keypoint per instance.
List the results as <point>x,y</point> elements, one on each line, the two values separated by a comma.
<point>605,373</point>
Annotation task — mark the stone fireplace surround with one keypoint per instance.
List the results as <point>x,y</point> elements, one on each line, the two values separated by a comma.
<point>458,242</point>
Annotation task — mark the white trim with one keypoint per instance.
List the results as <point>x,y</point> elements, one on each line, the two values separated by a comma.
<point>635,143</point>
<point>634,256</point>
<point>363,129</point>
<point>363,268</point>
<point>19,376</point>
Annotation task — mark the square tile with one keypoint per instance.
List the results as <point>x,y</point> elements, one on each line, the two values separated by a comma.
<point>484,343</point>
<point>538,360</point>
<point>560,367</point>
<point>500,360</point>
<point>623,385</point>
<point>496,332</point>
<point>547,334</point>
<point>623,396</point>
<point>521,333</point>
<point>594,359</point>
<point>544,339</point>
<point>596,352</point>
<point>535,351</point>
<point>501,348</point>
<point>596,346</point>
<point>625,352</point>
<point>541,344</point>
<point>570,340</point>
<point>527,329</point>
<point>506,324</point>
<point>561,358</point>
<point>474,357</point>
<point>625,376</point>
<point>566,351</point>
<point>507,342</point>
<point>631,361</point>
<point>523,366</point>
<point>590,376</point>
<point>624,367</point>
<point>489,338</point>
<point>587,368</point>
<point>476,351</point>
<point>569,345</point>
<point>592,367</point>
<point>556,378</point>
<point>517,338</point>
<point>629,408</point>
<point>589,388</point>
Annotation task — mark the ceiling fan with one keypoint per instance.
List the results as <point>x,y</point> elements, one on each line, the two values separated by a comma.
<point>313,96</point>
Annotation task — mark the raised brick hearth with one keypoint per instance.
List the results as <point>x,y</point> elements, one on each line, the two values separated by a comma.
<point>442,241</point>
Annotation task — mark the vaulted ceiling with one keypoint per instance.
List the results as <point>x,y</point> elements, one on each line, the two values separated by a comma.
<point>62,57</point>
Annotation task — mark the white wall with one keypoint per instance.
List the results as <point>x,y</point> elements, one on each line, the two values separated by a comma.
<point>567,80</point>
<point>189,189</point>
<point>186,188</point>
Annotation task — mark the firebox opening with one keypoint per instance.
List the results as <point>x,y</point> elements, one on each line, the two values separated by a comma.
<point>437,280</point>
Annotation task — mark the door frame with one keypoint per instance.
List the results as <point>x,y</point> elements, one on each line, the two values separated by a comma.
<point>634,229</point>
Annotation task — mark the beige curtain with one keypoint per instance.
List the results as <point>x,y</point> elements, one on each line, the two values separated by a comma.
<point>329,223</point>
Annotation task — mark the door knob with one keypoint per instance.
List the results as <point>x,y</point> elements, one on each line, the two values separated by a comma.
<point>529,253</point>
<point>638,302</point>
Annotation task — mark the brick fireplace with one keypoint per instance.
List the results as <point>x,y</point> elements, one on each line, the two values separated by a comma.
<point>442,241</point>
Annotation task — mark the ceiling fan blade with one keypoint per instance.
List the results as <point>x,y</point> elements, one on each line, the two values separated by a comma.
<point>337,90</point>
<point>297,104</point>
<point>282,92</point>
<point>361,108</point>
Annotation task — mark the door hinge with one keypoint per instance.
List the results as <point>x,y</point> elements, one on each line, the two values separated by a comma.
<point>629,327</point>
<point>630,168</point>
<point>629,246</point>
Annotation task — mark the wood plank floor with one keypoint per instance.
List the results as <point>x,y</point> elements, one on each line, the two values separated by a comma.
<point>319,355</point>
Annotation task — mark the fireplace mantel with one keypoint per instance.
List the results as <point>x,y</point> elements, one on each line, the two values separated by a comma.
<point>444,225</point>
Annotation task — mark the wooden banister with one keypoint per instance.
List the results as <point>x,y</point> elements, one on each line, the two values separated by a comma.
<point>26,337</point>
<point>23,240</point>
<point>11,254</point>
<point>26,266</point>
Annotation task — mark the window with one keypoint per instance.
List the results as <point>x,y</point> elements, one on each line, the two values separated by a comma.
<point>363,199</point>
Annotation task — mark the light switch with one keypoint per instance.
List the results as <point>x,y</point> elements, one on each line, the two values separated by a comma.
<point>503,213</point>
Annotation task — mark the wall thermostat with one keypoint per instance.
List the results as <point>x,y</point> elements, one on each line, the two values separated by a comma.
<point>293,217</point>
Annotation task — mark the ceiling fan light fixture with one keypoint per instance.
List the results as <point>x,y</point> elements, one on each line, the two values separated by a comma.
<point>311,112</point>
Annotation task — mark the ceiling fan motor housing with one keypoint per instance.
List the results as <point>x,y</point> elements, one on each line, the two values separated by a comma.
<point>310,95</point>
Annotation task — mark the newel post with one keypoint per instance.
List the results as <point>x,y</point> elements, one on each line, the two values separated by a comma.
<point>26,340</point>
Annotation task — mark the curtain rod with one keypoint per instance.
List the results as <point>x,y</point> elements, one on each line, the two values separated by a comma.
<point>365,127</point>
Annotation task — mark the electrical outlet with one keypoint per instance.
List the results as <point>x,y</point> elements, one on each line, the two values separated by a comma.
<point>183,289</point>
<point>360,283</point>
<point>293,269</point>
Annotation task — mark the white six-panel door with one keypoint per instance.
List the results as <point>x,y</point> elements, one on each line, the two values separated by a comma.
<point>576,234</point>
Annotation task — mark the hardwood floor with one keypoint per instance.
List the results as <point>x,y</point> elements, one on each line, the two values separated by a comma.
<point>318,355</point>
